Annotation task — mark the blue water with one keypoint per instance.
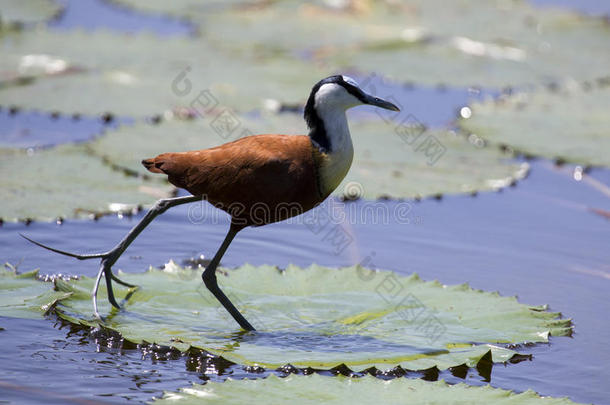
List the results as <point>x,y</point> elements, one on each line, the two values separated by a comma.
<point>432,107</point>
<point>591,7</point>
<point>98,14</point>
<point>34,129</point>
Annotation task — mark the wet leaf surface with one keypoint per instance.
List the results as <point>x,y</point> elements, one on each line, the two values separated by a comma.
<point>23,296</point>
<point>319,317</point>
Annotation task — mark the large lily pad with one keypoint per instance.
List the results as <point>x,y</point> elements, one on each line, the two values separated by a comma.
<point>135,80</point>
<point>316,389</point>
<point>23,296</point>
<point>31,11</point>
<point>397,160</point>
<point>66,182</point>
<point>320,317</point>
<point>571,125</point>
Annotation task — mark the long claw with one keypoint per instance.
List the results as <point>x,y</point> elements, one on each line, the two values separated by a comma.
<point>62,252</point>
<point>126,284</point>
<point>112,300</point>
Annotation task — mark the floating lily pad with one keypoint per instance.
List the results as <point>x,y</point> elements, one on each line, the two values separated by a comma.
<point>316,389</point>
<point>67,182</point>
<point>319,317</point>
<point>397,160</point>
<point>23,296</point>
<point>27,12</point>
<point>135,80</point>
<point>571,125</point>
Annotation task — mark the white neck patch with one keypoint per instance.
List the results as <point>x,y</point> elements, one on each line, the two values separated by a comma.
<point>330,103</point>
<point>350,80</point>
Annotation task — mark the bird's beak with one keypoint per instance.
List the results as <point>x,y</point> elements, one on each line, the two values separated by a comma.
<point>379,102</point>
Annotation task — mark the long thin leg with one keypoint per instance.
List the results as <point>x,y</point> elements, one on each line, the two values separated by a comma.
<point>209,279</point>
<point>110,257</point>
<point>108,261</point>
<point>94,292</point>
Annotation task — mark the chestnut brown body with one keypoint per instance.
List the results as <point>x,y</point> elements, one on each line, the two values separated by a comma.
<point>257,179</point>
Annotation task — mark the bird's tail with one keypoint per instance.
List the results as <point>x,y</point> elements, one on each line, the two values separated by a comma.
<point>152,165</point>
<point>173,164</point>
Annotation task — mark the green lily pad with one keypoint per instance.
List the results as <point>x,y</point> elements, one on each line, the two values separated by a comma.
<point>32,11</point>
<point>316,389</point>
<point>135,80</point>
<point>67,182</point>
<point>23,296</point>
<point>571,125</point>
<point>397,160</point>
<point>319,317</point>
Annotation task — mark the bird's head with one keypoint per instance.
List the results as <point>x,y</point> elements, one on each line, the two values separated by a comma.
<point>339,93</point>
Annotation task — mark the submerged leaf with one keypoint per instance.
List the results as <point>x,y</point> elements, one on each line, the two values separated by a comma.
<point>23,296</point>
<point>319,317</point>
<point>67,182</point>
<point>571,125</point>
<point>316,389</point>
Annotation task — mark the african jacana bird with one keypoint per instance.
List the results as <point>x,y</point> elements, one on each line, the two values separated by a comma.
<point>285,175</point>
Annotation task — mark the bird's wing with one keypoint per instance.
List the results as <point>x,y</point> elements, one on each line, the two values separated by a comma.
<point>260,168</point>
